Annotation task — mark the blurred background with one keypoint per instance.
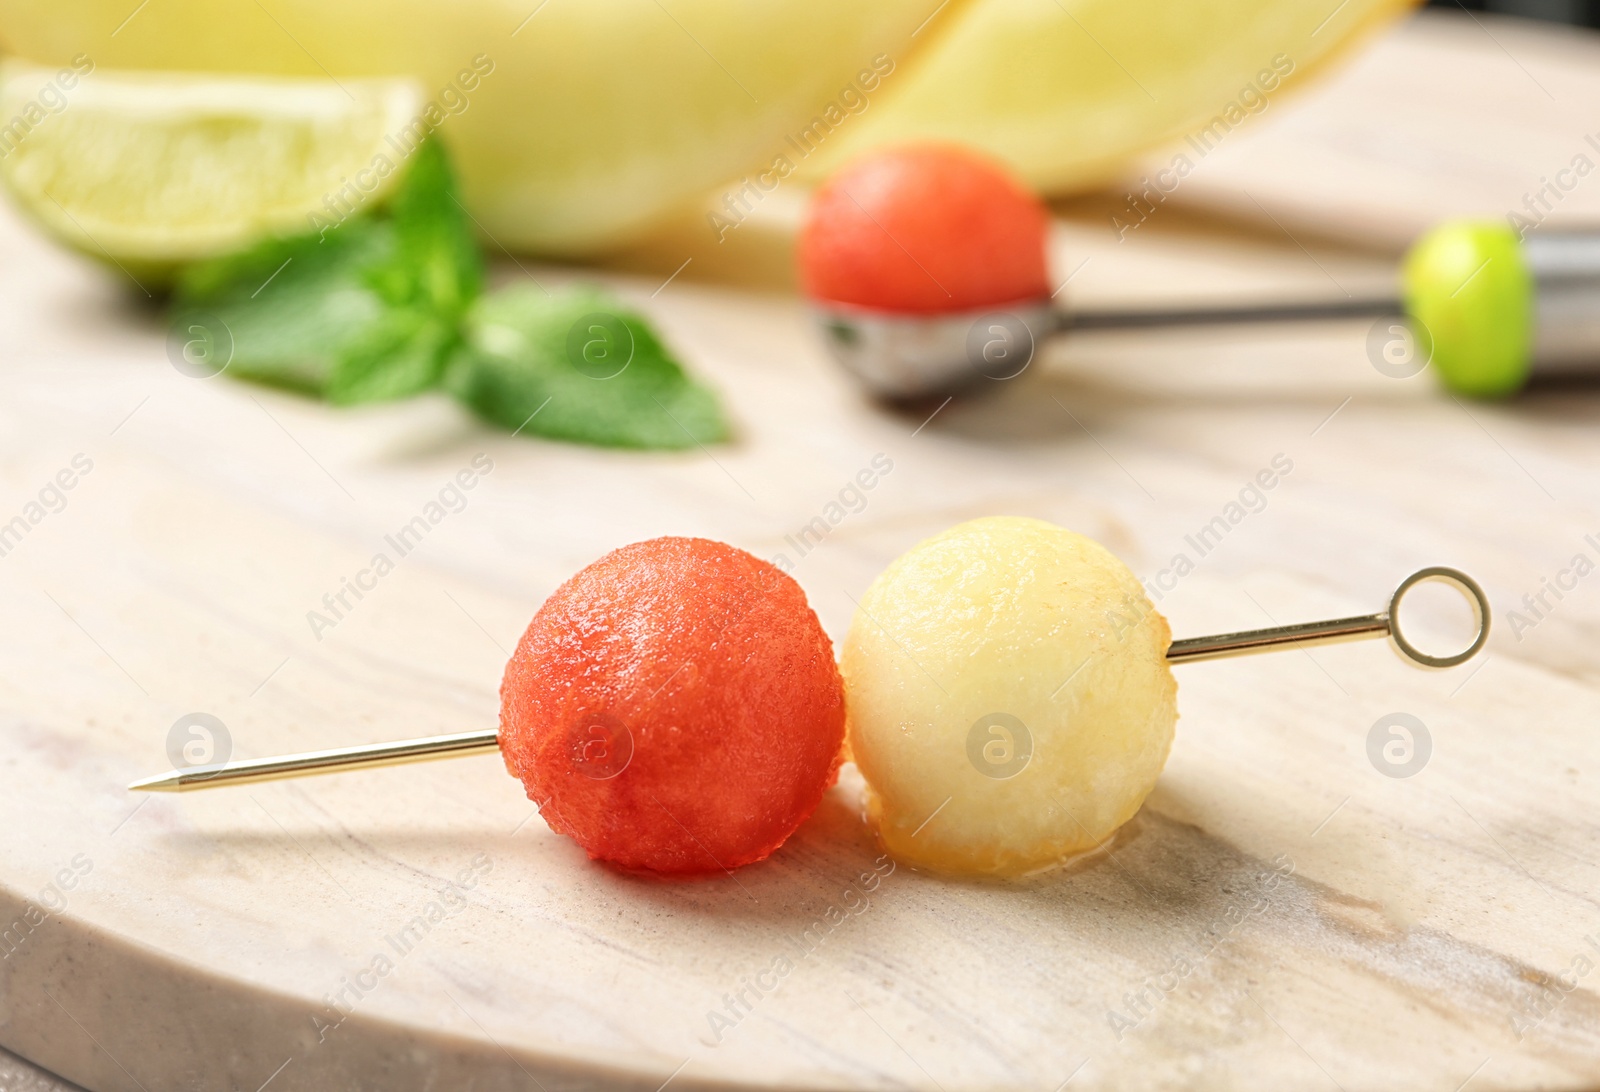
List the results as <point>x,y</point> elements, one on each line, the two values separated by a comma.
<point>1578,12</point>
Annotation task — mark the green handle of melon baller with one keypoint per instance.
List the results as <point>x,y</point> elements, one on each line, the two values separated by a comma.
<point>1469,296</point>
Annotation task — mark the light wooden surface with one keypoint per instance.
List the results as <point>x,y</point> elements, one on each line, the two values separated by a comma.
<point>18,1075</point>
<point>1455,113</point>
<point>1341,928</point>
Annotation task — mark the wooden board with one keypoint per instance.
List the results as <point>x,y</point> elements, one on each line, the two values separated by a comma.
<point>1283,913</point>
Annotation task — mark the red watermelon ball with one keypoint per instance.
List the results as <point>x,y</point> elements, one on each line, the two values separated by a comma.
<point>929,228</point>
<point>674,708</point>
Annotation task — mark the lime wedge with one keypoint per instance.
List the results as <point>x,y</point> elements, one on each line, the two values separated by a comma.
<point>149,170</point>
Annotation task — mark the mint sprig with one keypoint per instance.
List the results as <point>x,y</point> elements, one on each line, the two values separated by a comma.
<point>579,365</point>
<point>388,304</point>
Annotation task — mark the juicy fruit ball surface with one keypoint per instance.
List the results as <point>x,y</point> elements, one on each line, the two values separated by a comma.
<point>1010,700</point>
<point>674,708</point>
<point>924,229</point>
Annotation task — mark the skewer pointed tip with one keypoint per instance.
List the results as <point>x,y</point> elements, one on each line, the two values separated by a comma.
<point>252,770</point>
<point>167,782</point>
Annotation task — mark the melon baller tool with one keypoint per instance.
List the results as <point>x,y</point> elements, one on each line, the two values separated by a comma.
<point>1487,309</point>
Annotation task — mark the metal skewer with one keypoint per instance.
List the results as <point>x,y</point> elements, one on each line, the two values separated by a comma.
<point>337,760</point>
<point>1385,623</point>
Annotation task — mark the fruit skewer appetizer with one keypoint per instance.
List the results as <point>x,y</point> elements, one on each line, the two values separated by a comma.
<point>675,707</point>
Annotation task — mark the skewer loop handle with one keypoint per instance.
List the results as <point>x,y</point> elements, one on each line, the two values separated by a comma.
<point>1383,624</point>
<point>1475,598</point>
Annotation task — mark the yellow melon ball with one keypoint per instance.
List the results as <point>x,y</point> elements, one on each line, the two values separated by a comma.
<point>1009,697</point>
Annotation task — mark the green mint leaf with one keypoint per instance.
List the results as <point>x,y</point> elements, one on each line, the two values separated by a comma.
<point>281,312</point>
<point>366,311</point>
<point>401,353</point>
<point>439,265</point>
<point>579,365</point>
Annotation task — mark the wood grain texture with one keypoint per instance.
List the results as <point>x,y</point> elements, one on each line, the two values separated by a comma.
<point>1282,914</point>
